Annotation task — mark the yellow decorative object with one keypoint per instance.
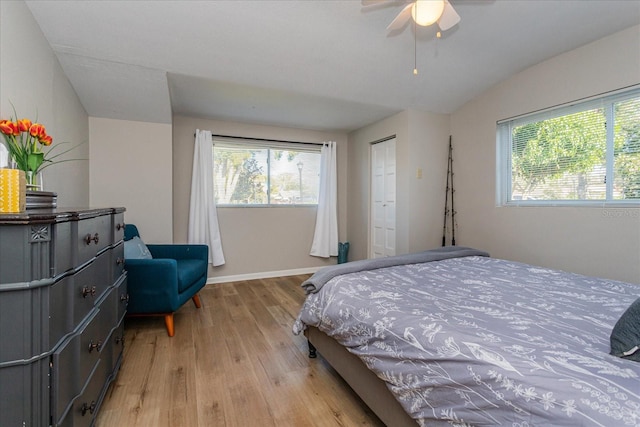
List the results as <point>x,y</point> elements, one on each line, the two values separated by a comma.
<point>13,187</point>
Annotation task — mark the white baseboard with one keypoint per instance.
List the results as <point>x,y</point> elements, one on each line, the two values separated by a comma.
<point>261,275</point>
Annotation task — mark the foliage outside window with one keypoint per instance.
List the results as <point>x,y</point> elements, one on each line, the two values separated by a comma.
<point>259,175</point>
<point>582,153</point>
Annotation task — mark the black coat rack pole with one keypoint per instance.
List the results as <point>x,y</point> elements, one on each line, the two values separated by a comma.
<point>446,198</point>
<point>453,211</point>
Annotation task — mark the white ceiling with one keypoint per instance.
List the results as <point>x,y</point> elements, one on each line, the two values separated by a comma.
<point>321,65</point>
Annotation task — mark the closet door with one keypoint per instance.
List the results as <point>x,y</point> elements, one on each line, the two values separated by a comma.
<point>383,199</point>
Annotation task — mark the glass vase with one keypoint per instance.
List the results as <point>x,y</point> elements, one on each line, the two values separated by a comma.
<point>34,180</point>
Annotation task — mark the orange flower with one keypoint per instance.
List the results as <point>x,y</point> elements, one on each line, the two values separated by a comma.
<point>9,128</point>
<point>37,130</point>
<point>46,140</point>
<point>6,127</point>
<point>24,125</point>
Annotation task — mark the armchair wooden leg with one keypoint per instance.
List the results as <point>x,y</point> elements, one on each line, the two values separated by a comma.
<point>168,321</point>
<point>196,300</point>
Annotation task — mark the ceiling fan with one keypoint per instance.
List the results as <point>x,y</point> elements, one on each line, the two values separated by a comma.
<point>423,12</point>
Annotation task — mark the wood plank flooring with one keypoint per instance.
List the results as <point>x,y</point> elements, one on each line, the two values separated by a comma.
<point>234,362</point>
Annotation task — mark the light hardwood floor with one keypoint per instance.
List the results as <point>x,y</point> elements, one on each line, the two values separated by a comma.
<point>234,362</point>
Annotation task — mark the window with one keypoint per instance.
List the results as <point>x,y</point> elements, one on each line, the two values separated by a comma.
<point>260,173</point>
<point>584,153</point>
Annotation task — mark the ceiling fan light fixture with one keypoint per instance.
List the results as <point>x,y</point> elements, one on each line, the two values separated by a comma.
<point>426,12</point>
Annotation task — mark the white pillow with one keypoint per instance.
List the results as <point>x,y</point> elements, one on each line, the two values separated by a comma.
<point>135,248</point>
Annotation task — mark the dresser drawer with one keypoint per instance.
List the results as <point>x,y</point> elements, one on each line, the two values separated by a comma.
<point>73,363</point>
<point>92,236</point>
<point>89,284</point>
<point>85,407</point>
<point>79,358</point>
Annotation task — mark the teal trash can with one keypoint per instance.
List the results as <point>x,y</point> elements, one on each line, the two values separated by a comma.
<point>343,252</point>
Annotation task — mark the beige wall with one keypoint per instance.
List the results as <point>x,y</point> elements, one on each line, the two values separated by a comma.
<point>421,143</point>
<point>131,166</point>
<point>428,151</point>
<point>33,81</point>
<point>595,241</point>
<point>256,241</point>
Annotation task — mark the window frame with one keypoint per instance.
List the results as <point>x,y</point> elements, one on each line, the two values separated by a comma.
<point>504,131</point>
<point>269,145</point>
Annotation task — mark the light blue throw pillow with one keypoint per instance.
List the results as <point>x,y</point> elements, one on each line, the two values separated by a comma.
<point>135,248</point>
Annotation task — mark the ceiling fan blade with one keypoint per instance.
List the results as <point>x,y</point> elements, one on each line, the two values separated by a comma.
<point>449,17</point>
<point>401,19</point>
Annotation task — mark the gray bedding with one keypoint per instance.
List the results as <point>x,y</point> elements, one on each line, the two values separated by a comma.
<point>476,341</point>
<point>322,276</point>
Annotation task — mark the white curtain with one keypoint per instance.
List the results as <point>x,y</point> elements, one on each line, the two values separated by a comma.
<point>325,238</point>
<point>203,216</point>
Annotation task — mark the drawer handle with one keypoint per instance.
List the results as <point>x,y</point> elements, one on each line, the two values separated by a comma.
<point>96,346</point>
<point>86,291</point>
<point>90,408</point>
<point>119,261</point>
<point>119,226</point>
<point>120,340</point>
<point>88,239</point>
<point>124,298</point>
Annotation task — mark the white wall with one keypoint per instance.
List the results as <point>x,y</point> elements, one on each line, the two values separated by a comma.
<point>32,80</point>
<point>595,241</point>
<point>131,166</point>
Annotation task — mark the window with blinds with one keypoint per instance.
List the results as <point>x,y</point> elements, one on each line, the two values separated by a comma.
<point>580,153</point>
<point>254,173</point>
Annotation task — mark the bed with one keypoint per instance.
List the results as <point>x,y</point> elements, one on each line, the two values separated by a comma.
<point>454,337</point>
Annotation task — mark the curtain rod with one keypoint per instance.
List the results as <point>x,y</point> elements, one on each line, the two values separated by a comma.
<point>265,139</point>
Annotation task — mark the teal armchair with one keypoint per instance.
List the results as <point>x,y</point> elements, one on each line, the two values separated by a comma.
<point>160,285</point>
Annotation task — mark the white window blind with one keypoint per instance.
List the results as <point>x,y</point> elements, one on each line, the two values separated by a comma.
<point>581,153</point>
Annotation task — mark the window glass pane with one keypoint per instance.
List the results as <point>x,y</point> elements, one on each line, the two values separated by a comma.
<point>562,158</point>
<point>240,175</point>
<point>259,175</point>
<point>626,169</point>
<point>295,177</point>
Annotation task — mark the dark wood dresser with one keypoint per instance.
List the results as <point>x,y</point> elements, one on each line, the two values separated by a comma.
<point>63,297</point>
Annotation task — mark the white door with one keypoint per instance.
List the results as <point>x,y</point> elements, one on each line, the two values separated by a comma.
<point>383,199</point>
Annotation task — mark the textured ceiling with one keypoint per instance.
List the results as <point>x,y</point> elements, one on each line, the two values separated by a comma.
<point>322,65</point>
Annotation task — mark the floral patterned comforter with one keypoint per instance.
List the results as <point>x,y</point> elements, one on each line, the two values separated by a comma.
<point>477,341</point>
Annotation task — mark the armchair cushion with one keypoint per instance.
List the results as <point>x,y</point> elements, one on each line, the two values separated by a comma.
<point>135,248</point>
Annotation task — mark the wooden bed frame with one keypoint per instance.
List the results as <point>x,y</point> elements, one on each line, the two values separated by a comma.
<point>371,389</point>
